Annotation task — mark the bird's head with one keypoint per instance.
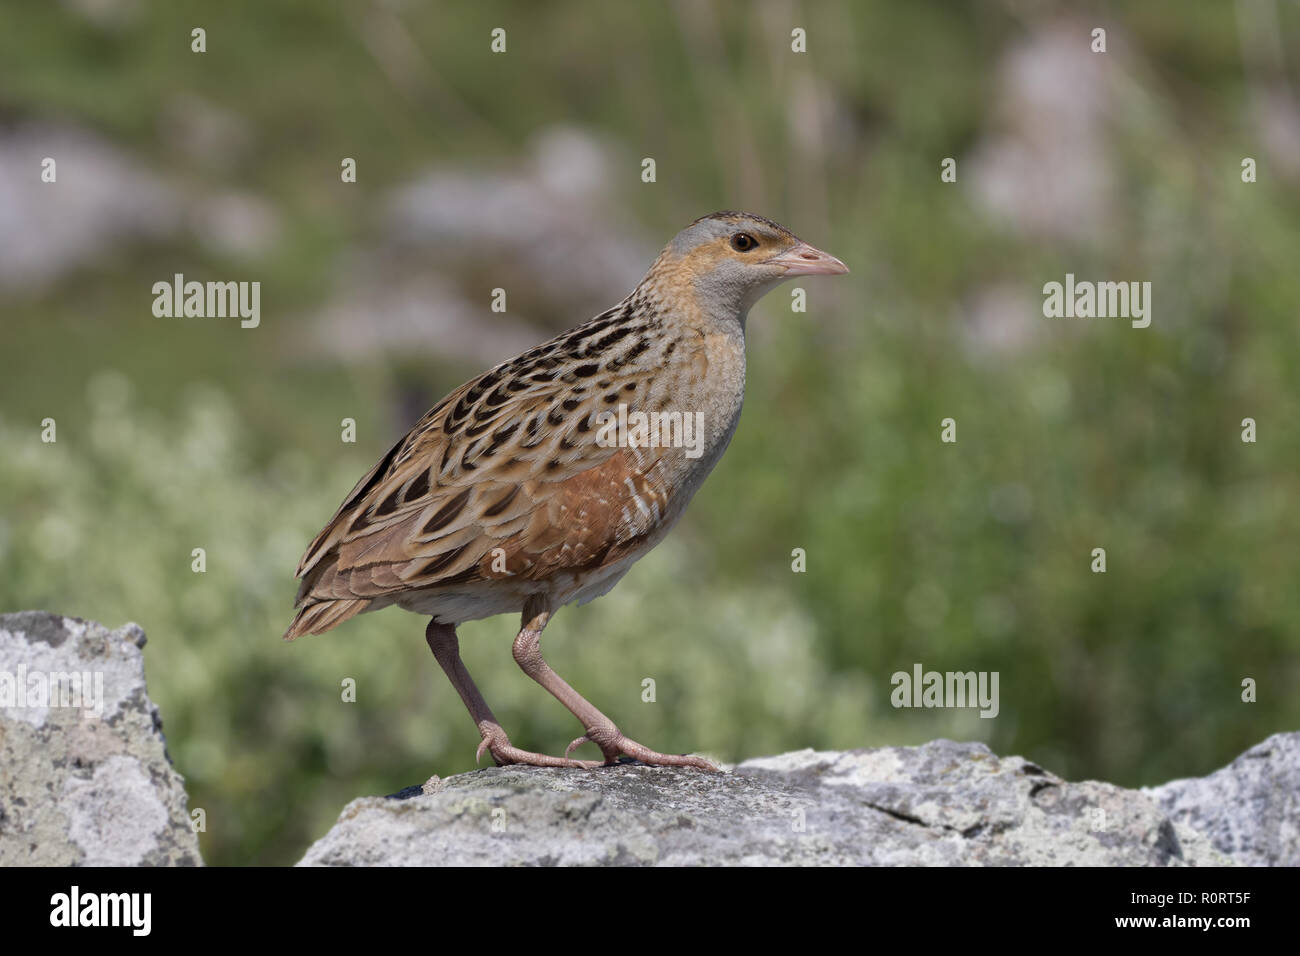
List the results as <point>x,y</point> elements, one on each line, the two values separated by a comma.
<point>729,260</point>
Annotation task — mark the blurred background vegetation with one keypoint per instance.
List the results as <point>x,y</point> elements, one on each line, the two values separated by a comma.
<point>522,171</point>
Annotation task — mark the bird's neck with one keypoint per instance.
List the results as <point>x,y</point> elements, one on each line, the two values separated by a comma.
<point>704,302</point>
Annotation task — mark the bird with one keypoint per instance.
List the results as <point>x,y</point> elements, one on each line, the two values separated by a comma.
<point>540,482</point>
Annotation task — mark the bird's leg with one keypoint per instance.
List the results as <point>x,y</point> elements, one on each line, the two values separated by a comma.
<point>446,650</point>
<point>600,730</point>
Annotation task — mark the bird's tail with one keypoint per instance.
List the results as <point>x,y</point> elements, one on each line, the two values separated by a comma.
<point>320,617</point>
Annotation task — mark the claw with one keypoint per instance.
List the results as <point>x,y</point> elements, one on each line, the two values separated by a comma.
<point>578,742</point>
<point>482,746</point>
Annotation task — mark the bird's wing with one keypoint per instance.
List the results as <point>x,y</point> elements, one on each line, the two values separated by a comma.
<point>508,461</point>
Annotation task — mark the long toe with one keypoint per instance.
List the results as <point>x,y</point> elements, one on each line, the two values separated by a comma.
<point>655,759</point>
<point>507,755</point>
<point>504,754</point>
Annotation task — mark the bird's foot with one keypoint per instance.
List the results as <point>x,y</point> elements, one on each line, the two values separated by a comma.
<point>613,744</point>
<point>503,753</point>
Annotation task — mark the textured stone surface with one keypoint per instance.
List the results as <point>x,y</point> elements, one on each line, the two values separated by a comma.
<point>86,779</point>
<point>943,803</point>
<point>1249,809</point>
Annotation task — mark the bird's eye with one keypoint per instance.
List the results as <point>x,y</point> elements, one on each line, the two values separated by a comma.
<point>743,242</point>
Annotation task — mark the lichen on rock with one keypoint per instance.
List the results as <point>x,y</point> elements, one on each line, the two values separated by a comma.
<point>86,779</point>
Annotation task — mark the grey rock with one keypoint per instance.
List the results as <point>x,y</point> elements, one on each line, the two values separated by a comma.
<point>1041,170</point>
<point>101,199</point>
<point>1250,809</point>
<point>105,198</point>
<point>86,779</point>
<point>422,285</point>
<point>403,320</point>
<point>940,804</point>
<point>535,219</point>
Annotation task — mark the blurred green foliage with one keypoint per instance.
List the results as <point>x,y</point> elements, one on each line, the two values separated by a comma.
<point>968,556</point>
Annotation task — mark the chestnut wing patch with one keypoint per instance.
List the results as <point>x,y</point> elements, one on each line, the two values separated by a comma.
<point>508,461</point>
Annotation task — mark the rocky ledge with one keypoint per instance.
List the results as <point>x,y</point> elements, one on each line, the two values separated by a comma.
<point>84,773</point>
<point>939,804</point>
<point>86,780</point>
